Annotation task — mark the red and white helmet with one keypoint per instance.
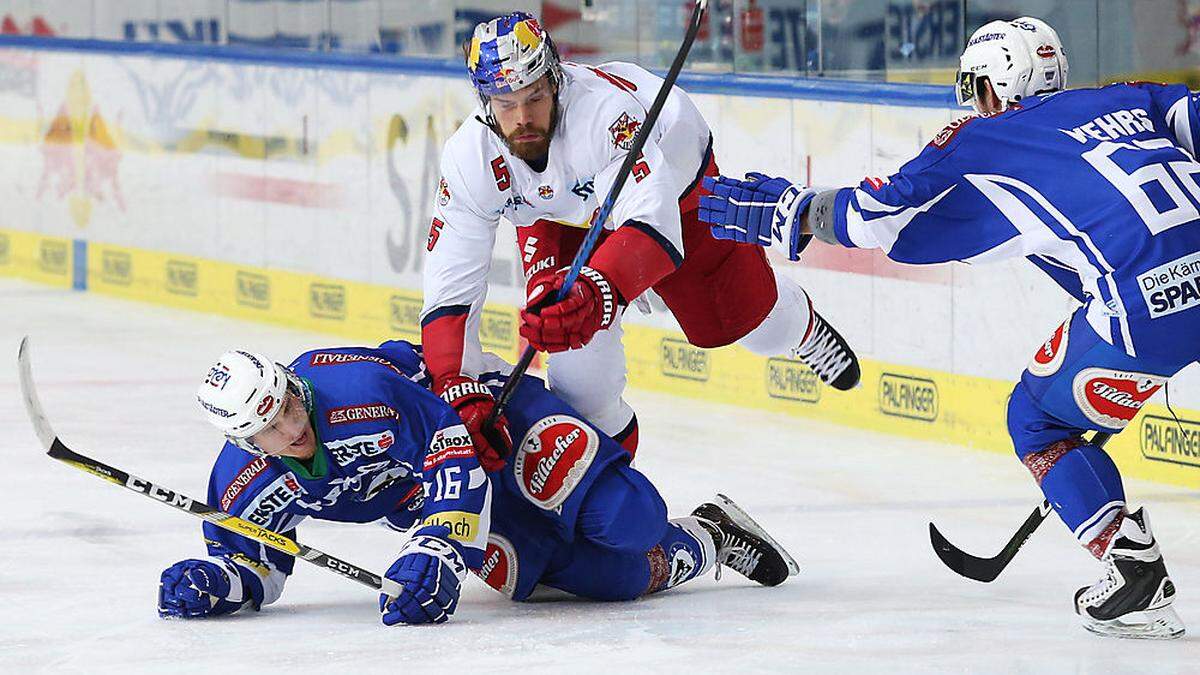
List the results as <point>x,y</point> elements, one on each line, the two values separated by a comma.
<point>1020,58</point>
<point>243,393</point>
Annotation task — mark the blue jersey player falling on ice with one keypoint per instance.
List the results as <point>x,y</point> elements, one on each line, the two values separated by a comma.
<point>354,434</point>
<point>1098,187</point>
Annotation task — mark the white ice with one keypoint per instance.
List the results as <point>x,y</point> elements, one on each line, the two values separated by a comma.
<point>80,558</point>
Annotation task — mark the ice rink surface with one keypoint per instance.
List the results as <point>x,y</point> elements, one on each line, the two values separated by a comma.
<point>80,559</point>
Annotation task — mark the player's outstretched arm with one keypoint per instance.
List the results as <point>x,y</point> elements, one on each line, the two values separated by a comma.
<point>758,210</point>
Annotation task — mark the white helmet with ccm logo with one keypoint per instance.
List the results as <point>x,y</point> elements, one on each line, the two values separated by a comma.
<point>1020,58</point>
<point>243,393</point>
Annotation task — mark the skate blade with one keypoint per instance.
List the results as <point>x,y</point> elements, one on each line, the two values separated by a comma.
<point>1155,624</point>
<point>743,519</point>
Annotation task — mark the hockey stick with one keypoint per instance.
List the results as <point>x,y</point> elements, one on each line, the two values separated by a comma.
<point>58,450</point>
<point>589,241</point>
<point>987,569</point>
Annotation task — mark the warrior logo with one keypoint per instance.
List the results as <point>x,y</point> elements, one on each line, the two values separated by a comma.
<point>623,130</point>
<point>554,457</point>
<point>1111,398</point>
<point>500,565</point>
<point>1049,357</point>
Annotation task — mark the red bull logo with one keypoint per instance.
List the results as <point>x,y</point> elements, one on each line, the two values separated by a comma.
<point>528,34</point>
<point>623,130</point>
<point>80,159</point>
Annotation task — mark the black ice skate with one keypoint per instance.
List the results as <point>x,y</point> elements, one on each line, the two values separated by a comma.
<point>829,356</point>
<point>743,545</point>
<point>1134,598</point>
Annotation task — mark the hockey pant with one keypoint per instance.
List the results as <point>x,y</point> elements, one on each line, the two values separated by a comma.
<point>1076,383</point>
<point>581,519</point>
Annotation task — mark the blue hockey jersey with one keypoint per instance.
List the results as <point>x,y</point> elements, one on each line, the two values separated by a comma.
<point>388,450</point>
<point>1099,187</point>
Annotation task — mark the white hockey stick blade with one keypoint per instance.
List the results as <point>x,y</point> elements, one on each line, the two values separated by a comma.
<point>32,405</point>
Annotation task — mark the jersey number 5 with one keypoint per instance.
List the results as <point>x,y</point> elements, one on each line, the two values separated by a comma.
<point>435,231</point>
<point>640,168</point>
<point>500,171</point>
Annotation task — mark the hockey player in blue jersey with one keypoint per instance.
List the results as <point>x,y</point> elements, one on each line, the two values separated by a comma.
<point>1098,187</point>
<point>355,435</point>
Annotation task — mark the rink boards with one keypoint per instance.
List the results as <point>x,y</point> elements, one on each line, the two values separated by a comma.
<point>904,400</point>
<point>298,193</point>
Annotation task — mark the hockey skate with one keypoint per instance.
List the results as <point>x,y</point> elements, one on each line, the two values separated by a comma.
<point>1134,598</point>
<point>743,545</point>
<point>829,355</point>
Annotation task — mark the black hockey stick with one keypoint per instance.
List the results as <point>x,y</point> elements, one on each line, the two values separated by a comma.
<point>987,569</point>
<point>589,242</point>
<point>58,450</point>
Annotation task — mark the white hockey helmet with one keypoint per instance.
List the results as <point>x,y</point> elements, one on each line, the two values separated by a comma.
<point>1047,53</point>
<point>997,51</point>
<point>243,393</point>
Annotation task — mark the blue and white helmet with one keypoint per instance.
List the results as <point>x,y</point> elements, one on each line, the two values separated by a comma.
<point>509,53</point>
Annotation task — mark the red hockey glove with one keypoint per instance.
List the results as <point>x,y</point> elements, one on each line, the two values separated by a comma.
<point>590,306</point>
<point>474,402</point>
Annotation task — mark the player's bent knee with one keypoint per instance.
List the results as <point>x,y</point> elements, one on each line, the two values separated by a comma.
<point>623,511</point>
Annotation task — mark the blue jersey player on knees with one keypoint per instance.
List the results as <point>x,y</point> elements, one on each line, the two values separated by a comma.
<point>1098,187</point>
<point>354,434</point>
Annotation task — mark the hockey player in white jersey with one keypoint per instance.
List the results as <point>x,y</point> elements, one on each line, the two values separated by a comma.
<point>1095,186</point>
<point>545,144</point>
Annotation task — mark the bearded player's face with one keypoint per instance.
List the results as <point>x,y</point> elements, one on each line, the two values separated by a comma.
<point>525,118</point>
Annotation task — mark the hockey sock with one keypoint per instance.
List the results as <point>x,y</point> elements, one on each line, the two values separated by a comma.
<point>1083,485</point>
<point>628,438</point>
<point>786,326</point>
<point>687,550</point>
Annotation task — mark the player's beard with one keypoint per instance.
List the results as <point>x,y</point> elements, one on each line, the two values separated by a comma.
<point>533,152</point>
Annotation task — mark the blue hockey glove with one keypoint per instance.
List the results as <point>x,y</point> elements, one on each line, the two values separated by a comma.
<point>757,210</point>
<point>430,569</point>
<point>195,588</point>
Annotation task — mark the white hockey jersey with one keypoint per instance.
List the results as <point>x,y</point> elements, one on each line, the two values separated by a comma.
<point>600,110</point>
